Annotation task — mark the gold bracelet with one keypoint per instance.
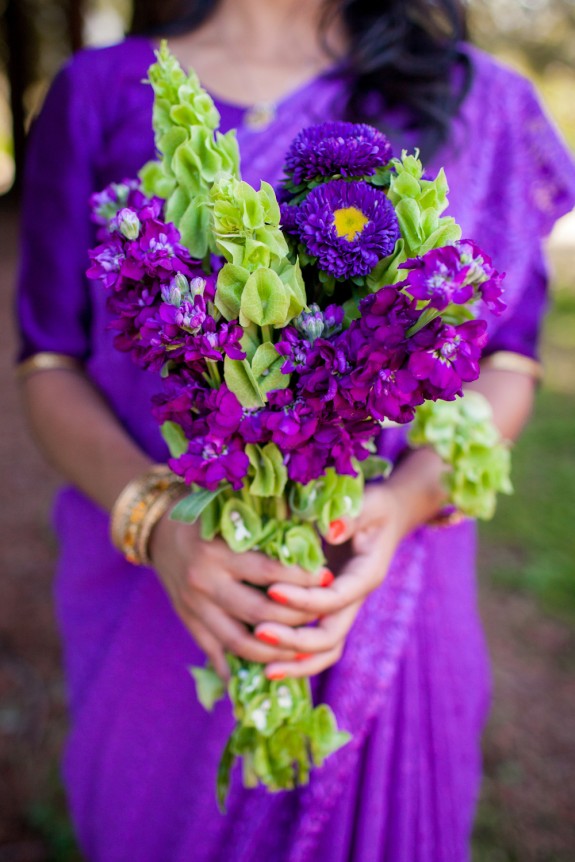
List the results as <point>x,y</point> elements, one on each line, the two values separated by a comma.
<point>157,509</point>
<point>138,508</point>
<point>506,360</point>
<point>47,362</point>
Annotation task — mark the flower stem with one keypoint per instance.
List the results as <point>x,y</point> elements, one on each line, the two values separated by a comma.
<point>213,374</point>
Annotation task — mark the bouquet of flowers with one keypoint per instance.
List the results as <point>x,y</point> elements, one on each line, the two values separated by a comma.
<point>288,330</point>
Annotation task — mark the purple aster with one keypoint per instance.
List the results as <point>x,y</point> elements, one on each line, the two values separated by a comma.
<point>347,227</point>
<point>336,149</point>
<point>288,218</point>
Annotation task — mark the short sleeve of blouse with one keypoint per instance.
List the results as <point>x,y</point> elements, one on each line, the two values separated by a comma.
<point>532,185</point>
<point>52,300</point>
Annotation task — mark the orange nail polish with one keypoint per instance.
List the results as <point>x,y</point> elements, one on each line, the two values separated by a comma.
<point>337,529</point>
<point>276,596</point>
<point>327,578</point>
<point>277,675</point>
<point>301,656</point>
<point>267,638</point>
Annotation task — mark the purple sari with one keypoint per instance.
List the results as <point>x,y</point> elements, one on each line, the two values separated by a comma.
<point>413,683</point>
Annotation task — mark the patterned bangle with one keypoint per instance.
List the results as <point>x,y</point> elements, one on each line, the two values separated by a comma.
<point>157,509</point>
<point>138,509</point>
<point>506,360</point>
<point>47,362</point>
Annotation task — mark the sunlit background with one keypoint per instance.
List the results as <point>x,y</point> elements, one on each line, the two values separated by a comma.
<point>528,552</point>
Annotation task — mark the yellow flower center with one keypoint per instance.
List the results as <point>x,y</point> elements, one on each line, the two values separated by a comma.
<point>349,222</point>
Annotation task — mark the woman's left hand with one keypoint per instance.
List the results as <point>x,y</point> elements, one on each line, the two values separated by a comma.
<point>375,535</point>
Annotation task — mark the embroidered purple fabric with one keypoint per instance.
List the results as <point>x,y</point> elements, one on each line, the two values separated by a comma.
<point>413,683</point>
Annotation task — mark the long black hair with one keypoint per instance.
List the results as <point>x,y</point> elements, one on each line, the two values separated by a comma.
<point>404,51</point>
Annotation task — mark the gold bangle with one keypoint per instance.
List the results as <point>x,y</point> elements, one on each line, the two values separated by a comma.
<point>156,511</point>
<point>506,360</point>
<point>47,362</point>
<point>130,515</point>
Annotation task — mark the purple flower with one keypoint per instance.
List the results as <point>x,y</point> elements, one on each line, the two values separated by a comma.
<point>347,227</point>
<point>336,148</point>
<point>444,357</point>
<point>482,275</point>
<point>208,462</point>
<point>454,274</point>
<point>438,277</point>
<point>225,413</point>
<point>107,262</point>
<point>288,218</point>
<point>292,425</point>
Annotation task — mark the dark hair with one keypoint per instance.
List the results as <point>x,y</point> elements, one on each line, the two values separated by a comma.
<point>405,51</point>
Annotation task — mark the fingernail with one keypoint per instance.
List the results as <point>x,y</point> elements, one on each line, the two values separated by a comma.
<point>277,675</point>
<point>327,578</point>
<point>301,656</point>
<point>267,638</point>
<point>277,597</point>
<point>337,529</point>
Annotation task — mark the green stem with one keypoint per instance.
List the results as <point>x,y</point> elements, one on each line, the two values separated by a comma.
<point>267,334</point>
<point>213,374</point>
<point>427,316</point>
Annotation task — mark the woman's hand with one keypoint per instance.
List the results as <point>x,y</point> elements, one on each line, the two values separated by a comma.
<point>213,591</point>
<point>375,535</point>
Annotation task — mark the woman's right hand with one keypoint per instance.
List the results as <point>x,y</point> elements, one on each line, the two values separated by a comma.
<point>214,592</point>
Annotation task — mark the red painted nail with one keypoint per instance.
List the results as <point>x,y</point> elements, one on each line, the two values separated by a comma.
<point>301,656</point>
<point>277,675</point>
<point>336,529</point>
<point>327,578</point>
<point>267,638</point>
<point>277,597</point>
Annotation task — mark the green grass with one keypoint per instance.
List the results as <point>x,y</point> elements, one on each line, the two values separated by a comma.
<point>530,545</point>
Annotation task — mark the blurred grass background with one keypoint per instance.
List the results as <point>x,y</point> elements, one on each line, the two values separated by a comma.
<point>530,545</point>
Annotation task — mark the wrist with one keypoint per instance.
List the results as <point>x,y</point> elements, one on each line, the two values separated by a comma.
<point>418,489</point>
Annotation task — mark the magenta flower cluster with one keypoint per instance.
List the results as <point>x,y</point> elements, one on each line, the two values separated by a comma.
<point>159,298</point>
<point>455,274</point>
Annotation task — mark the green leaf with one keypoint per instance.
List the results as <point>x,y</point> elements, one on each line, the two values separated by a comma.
<point>265,299</point>
<point>241,381</point>
<point>175,438</point>
<point>190,508</point>
<point>375,467</point>
<point>231,282</point>
<point>209,686</point>
<point>267,369</point>
<point>241,526</point>
<point>224,775</point>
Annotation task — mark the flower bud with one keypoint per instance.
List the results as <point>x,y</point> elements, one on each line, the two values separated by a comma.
<point>197,286</point>
<point>129,223</point>
<point>310,323</point>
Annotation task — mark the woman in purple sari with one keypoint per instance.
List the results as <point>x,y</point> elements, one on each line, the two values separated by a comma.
<point>400,657</point>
